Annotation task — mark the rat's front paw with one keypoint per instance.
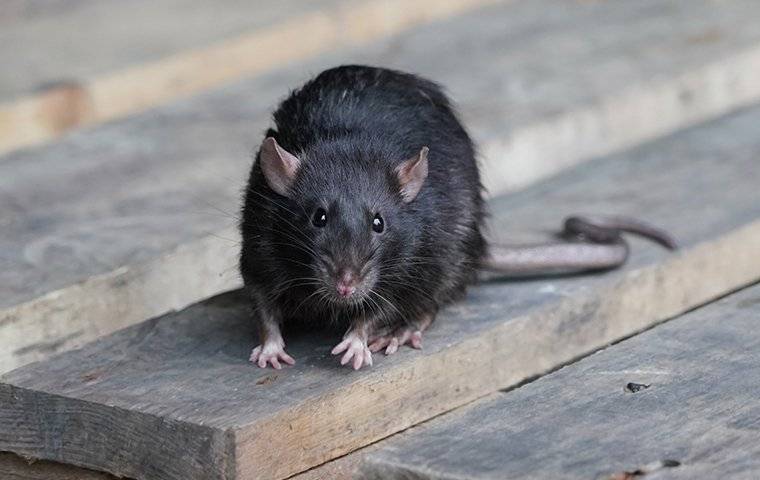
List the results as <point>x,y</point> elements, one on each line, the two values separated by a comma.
<point>271,353</point>
<point>356,350</point>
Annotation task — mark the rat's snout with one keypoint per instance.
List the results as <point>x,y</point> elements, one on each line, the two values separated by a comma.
<point>346,282</point>
<point>346,272</point>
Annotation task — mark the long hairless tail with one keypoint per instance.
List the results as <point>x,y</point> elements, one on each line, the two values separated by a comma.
<point>589,245</point>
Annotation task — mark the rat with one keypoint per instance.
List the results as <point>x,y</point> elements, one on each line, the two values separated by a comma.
<point>364,208</point>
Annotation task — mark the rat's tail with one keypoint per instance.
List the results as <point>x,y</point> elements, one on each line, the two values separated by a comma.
<point>589,245</point>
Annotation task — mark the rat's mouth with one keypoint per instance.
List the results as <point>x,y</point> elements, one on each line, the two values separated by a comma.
<point>354,300</point>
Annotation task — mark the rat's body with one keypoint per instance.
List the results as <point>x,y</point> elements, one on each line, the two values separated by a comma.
<point>364,207</point>
<point>351,128</point>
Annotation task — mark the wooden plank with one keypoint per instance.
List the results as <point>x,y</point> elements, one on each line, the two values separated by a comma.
<point>698,381</point>
<point>162,52</point>
<point>92,242</point>
<point>180,388</point>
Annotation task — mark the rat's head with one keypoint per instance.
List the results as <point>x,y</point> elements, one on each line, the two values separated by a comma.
<point>351,218</point>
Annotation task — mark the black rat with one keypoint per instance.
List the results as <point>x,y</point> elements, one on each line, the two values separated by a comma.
<point>364,207</point>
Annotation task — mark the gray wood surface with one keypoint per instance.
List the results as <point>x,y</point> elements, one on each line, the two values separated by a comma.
<point>701,409</point>
<point>43,42</point>
<point>104,60</point>
<point>129,220</point>
<point>180,390</point>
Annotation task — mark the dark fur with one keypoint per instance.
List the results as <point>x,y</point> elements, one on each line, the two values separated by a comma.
<point>351,126</point>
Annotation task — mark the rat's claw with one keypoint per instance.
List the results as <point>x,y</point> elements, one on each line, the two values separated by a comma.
<point>341,347</point>
<point>416,340</point>
<point>379,343</point>
<point>392,346</point>
<point>270,353</point>
<point>356,352</point>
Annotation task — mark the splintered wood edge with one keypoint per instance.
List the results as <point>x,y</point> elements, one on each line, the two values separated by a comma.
<point>381,404</point>
<point>15,467</point>
<point>36,118</point>
<point>210,454</point>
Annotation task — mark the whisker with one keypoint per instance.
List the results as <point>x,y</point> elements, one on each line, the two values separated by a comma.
<point>305,300</point>
<point>372,291</point>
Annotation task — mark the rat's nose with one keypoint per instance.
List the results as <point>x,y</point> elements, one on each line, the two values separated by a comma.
<point>346,284</point>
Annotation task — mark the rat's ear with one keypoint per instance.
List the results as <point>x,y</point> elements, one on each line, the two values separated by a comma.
<point>279,166</point>
<point>412,174</point>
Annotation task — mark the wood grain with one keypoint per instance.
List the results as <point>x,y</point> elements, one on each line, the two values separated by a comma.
<point>181,389</point>
<point>36,118</point>
<point>697,407</point>
<point>134,218</point>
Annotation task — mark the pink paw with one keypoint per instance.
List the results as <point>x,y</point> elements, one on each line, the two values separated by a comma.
<point>402,336</point>
<point>270,353</point>
<point>356,351</point>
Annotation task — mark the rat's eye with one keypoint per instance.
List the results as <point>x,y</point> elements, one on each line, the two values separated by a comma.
<point>320,218</point>
<point>377,224</point>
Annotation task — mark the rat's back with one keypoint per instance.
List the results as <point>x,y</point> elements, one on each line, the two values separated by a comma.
<point>387,105</point>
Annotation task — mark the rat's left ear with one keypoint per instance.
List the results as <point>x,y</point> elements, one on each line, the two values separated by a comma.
<point>412,174</point>
<point>279,166</point>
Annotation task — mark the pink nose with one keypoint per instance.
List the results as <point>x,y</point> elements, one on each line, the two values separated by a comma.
<point>346,285</point>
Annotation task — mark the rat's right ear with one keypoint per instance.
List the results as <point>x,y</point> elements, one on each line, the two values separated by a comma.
<point>412,174</point>
<point>279,166</point>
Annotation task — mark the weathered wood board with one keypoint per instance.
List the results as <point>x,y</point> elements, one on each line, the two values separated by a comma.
<point>179,388</point>
<point>129,220</point>
<point>94,61</point>
<point>701,410</point>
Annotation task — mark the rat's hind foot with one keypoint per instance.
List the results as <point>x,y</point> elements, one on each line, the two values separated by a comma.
<point>272,353</point>
<point>407,335</point>
<point>356,348</point>
<point>401,336</point>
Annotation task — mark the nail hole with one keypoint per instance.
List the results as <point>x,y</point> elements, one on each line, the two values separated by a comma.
<point>632,387</point>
